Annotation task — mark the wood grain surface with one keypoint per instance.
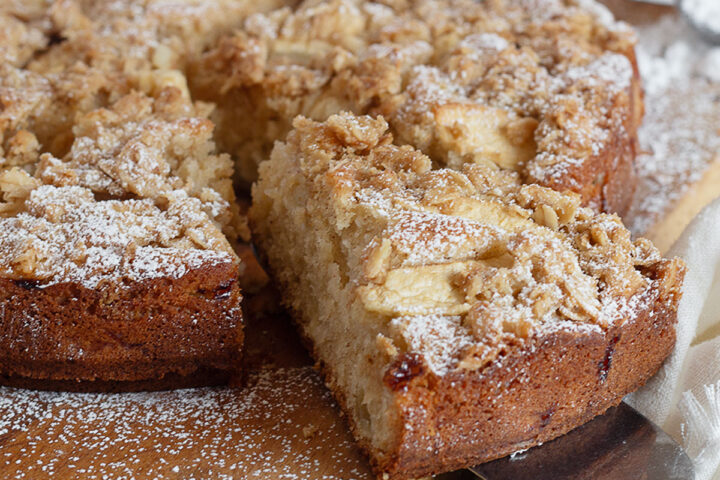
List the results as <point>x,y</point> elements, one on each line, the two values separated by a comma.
<point>278,422</point>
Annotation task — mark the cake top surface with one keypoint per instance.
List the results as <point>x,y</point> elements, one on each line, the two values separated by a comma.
<point>102,95</point>
<point>96,122</point>
<point>63,234</point>
<point>534,86</point>
<point>139,194</point>
<point>459,264</point>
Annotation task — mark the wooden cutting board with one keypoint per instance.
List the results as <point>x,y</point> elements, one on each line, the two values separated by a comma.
<point>282,425</point>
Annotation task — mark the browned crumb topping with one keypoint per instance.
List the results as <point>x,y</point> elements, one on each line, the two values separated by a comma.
<point>94,104</point>
<point>457,265</point>
<point>22,32</point>
<point>63,234</point>
<point>532,86</point>
<point>104,95</point>
<point>146,148</point>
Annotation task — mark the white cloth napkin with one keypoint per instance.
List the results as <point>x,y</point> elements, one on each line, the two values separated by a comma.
<point>684,397</point>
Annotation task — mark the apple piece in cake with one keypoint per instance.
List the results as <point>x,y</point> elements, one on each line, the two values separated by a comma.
<point>548,88</point>
<point>458,315</point>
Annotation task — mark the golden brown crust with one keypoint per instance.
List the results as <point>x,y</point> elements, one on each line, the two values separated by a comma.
<point>458,429</point>
<point>538,393</point>
<point>66,331</point>
<point>606,180</point>
<point>171,381</point>
<point>113,289</point>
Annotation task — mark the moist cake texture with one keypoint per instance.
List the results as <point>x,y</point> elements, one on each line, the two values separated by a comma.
<point>547,89</point>
<point>459,315</point>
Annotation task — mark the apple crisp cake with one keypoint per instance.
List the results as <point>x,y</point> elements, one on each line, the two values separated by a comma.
<point>115,260</point>
<point>459,315</point>
<point>547,89</point>
<point>442,255</point>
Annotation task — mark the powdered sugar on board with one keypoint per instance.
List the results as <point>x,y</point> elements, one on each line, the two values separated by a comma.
<point>284,425</point>
<point>705,13</point>
<point>681,130</point>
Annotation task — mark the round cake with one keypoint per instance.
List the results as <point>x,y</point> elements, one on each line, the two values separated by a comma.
<point>127,125</point>
<point>448,169</point>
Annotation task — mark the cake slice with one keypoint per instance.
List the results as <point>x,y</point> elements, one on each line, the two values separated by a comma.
<point>458,315</point>
<point>118,216</point>
<point>117,260</point>
<point>113,290</point>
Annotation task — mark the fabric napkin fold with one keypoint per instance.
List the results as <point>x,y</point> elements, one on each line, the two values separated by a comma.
<point>684,397</point>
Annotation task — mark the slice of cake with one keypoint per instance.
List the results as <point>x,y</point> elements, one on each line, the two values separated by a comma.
<point>112,289</point>
<point>117,260</point>
<point>118,216</point>
<point>459,316</point>
<point>545,88</point>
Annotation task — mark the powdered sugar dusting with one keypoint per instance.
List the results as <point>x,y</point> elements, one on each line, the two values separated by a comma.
<point>281,426</point>
<point>610,70</point>
<point>440,339</point>
<point>705,13</point>
<point>66,236</point>
<point>680,134</point>
<point>426,237</point>
<point>460,269</point>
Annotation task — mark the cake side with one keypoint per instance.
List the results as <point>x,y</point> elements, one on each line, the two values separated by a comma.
<point>558,382</point>
<point>458,316</point>
<point>123,331</point>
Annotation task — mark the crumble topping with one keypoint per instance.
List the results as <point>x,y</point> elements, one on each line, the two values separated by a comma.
<point>94,95</point>
<point>530,85</point>
<point>62,234</point>
<point>94,101</point>
<point>105,95</point>
<point>145,147</point>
